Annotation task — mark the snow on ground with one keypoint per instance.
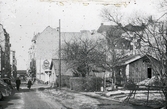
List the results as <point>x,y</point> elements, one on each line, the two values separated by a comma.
<point>111,93</point>
<point>71,99</point>
<point>92,100</point>
<point>139,94</point>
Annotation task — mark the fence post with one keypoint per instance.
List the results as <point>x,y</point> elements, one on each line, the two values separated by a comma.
<point>148,95</point>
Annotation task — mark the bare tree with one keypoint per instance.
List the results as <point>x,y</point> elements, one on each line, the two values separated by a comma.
<point>163,6</point>
<point>82,54</point>
<point>152,37</point>
<point>117,44</point>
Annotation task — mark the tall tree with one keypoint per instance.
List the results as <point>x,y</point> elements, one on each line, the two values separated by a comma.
<point>151,35</point>
<point>83,54</point>
<point>117,45</point>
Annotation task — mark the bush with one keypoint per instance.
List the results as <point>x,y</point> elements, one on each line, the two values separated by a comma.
<point>65,81</point>
<point>85,83</point>
<point>130,85</point>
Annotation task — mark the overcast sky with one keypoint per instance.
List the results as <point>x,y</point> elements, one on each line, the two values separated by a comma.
<point>23,18</point>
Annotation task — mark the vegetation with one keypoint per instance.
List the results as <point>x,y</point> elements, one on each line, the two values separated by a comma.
<point>83,54</point>
<point>151,38</point>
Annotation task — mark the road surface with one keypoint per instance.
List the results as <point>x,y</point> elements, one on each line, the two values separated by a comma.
<point>28,99</point>
<point>35,99</point>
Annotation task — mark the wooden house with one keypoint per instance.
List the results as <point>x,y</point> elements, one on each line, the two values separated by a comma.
<point>136,68</point>
<point>54,67</point>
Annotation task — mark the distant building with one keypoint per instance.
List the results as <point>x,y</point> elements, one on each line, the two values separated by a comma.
<point>45,47</point>
<point>125,42</point>
<point>5,67</point>
<point>13,63</point>
<point>21,73</point>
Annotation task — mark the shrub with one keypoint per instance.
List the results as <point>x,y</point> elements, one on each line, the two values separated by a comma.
<point>85,83</point>
<point>130,85</point>
<point>64,81</point>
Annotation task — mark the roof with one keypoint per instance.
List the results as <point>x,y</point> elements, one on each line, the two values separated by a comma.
<point>35,37</point>
<point>47,29</point>
<point>105,28</point>
<point>129,59</point>
<point>129,27</point>
<point>55,62</point>
<point>133,28</point>
<point>64,67</point>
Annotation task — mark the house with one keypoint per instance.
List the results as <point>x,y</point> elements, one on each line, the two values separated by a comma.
<point>54,67</point>
<point>115,39</point>
<point>136,68</point>
<point>123,38</point>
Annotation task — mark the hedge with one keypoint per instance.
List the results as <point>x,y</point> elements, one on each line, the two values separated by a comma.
<point>64,81</point>
<point>86,83</point>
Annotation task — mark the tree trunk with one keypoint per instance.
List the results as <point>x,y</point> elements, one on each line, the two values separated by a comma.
<point>165,90</point>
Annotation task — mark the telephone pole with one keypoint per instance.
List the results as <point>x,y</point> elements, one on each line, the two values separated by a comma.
<point>59,54</point>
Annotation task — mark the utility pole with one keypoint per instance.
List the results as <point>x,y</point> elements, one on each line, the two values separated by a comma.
<point>59,54</point>
<point>1,61</point>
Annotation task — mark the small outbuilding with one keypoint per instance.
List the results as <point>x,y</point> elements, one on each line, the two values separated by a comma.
<point>54,67</point>
<point>136,68</point>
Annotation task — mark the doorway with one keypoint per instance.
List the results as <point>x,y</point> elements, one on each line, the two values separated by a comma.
<point>149,73</point>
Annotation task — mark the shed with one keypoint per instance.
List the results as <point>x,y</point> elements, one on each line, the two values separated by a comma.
<point>54,67</point>
<point>136,68</point>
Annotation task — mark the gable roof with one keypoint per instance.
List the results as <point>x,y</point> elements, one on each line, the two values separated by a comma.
<point>105,28</point>
<point>35,37</point>
<point>55,62</point>
<point>129,27</point>
<point>134,28</point>
<point>129,59</point>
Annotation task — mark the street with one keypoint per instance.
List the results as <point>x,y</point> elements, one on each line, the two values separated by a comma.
<point>28,99</point>
<point>40,99</point>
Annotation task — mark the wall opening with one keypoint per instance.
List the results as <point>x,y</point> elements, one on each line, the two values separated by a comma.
<point>149,73</point>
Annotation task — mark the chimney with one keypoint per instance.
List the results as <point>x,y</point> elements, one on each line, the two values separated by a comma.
<point>101,24</point>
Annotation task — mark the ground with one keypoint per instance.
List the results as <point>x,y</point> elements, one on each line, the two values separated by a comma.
<point>42,97</point>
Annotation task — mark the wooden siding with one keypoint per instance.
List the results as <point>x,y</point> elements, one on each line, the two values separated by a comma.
<point>138,70</point>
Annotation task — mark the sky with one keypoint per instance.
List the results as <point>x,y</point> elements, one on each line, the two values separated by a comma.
<point>24,18</point>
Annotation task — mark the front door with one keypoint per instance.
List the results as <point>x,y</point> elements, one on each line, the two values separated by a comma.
<point>149,73</point>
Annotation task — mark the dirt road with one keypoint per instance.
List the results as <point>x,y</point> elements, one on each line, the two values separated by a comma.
<point>28,99</point>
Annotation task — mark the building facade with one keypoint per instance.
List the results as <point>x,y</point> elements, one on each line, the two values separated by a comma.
<point>5,53</point>
<point>45,47</point>
<point>13,63</point>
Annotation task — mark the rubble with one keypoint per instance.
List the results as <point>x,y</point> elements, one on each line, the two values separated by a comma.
<point>154,81</point>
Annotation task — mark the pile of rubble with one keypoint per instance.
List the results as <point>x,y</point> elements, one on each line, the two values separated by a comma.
<point>154,81</point>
